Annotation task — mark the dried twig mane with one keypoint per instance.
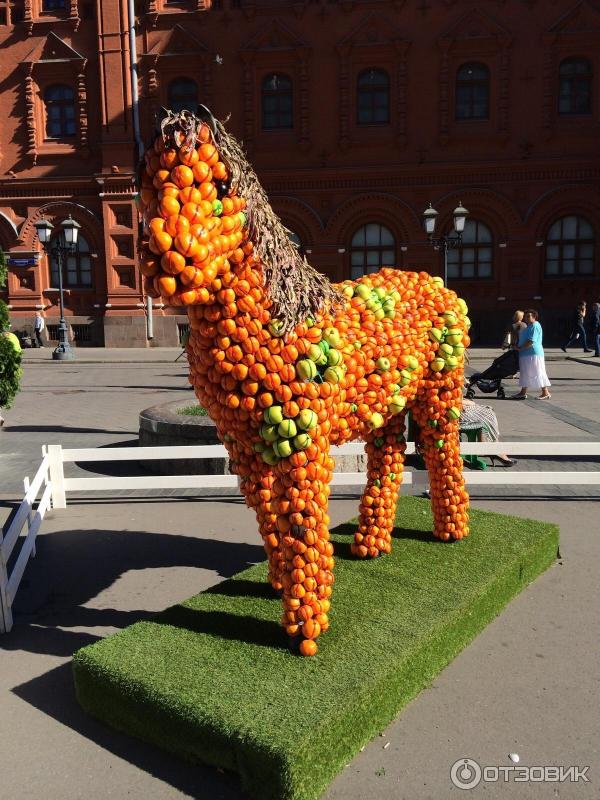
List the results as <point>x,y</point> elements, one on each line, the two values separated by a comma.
<point>296,289</point>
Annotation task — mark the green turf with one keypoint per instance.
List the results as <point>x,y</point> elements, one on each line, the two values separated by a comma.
<point>212,680</point>
<point>193,411</point>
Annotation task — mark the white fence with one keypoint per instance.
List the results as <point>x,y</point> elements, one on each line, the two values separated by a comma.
<point>51,482</point>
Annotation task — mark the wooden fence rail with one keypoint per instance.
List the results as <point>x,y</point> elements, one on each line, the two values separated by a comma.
<point>51,483</point>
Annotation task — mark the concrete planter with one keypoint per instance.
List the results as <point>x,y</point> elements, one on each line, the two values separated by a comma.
<point>162,425</point>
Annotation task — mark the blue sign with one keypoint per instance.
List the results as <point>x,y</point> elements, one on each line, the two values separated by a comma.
<point>22,262</point>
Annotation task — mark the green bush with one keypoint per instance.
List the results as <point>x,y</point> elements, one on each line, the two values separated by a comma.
<point>10,358</point>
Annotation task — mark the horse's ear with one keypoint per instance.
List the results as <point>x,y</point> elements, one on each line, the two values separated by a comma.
<point>206,116</point>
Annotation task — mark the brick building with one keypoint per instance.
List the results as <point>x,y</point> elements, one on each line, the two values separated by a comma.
<point>355,113</point>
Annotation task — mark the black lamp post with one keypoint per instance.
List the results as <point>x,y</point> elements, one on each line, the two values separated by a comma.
<point>444,242</point>
<point>65,245</point>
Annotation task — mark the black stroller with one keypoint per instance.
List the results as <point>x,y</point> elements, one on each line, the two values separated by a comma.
<point>490,380</point>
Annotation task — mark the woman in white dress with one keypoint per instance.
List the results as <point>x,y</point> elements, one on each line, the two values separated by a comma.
<point>532,365</point>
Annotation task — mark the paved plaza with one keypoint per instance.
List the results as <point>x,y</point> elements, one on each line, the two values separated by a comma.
<point>528,684</point>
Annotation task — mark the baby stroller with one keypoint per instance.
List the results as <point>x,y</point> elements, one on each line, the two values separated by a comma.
<point>490,380</point>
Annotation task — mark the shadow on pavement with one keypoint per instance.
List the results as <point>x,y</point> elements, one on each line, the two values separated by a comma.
<point>58,429</point>
<point>74,567</point>
<point>53,693</point>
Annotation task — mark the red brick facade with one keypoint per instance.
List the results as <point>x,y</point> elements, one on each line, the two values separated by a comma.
<point>386,105</point>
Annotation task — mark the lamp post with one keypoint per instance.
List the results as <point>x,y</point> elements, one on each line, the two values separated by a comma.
<point>445,242</point>
<point>65,245</point>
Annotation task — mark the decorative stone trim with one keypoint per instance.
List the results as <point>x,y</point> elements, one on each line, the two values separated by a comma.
<point>30,118</point>
<point>82,108</point>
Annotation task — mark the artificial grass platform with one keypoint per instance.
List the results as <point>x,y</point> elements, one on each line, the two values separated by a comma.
<point>212,679</point>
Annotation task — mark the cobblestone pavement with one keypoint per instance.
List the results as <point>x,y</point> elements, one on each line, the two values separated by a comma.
<point>528,684</point>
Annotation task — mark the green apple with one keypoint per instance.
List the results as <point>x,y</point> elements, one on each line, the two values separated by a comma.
<point>451,362</point>
<point>379,314</point>
<point>269,432</point>
<point>450,318</point>
<point>270,457</point>
<point>348,290</point>
<point>273,415</point>
<point>394,388</point>
<point>458,350</point>
<point>306,369</point>
<point>453,413</point>
<point>462,306</point>
<point>438,364</point>
<point>437,280</point>
<point>287,428</point>
<point>217,208</point>
<point>362,290</point>
<point>301,441</point>
<point>357,345</point>
<point>276,328</point>
<point>307,420</point>
<point>333,374</point>
<point>314,352</point>
<point>446,349</point>
<point>405,377</point>
<point>382,364</point>
<point>433,423</point>
<point>411,363</point>
<point>454,336</point>
<point>380,292</point>
<point>283,448</point>
<point>375,421</point>
<point>310,321</point>
<point>334,357</point>
<point>332,337</point>
<point>439,443</point>
<point>260,447</point>
<point>435,334</point>
<point>378,442</point>
<point>397,403</point>
<point>467,322</point>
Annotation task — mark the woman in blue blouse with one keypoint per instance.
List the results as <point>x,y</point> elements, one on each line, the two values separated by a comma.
<point>532,366</point>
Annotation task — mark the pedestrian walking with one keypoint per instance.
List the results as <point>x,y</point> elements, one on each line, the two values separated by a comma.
<point>532,364</point>
<point>595,328</point>
<point>38,327</point>
<point>578,329</point>
<point>515,329</point>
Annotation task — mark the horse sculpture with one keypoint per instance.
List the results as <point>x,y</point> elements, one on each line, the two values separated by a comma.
<point>288,364</point>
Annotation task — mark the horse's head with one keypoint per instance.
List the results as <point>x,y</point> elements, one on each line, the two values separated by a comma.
<point>194,221</point>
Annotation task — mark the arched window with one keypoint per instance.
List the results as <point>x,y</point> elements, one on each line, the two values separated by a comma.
<point>473,92</point>
<point>575,89</point>
<point>474,258</point>
<point>277,102</point>
<point>373,246</point>
<point>77,267</point>
<point>59,101</point>
<point>570,247</point>
<point>183,94</point>
<point>373,97</point>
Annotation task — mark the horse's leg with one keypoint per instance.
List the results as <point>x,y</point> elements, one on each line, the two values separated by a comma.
<point>385,464</point>
<point>441,450</point>
<point>300,499</point>
<point>256,484</point>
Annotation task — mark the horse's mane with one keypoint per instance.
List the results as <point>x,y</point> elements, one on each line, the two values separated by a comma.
<point>296,289</point>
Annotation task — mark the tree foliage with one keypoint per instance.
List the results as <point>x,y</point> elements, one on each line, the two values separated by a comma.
<point>10,357</point>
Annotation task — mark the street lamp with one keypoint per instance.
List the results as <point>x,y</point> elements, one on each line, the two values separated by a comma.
<point>66,243</point>
<point>444,242</point>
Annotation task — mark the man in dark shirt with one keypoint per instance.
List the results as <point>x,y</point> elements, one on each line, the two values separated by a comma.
<point>595,328</point>
<point>578,330</point>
